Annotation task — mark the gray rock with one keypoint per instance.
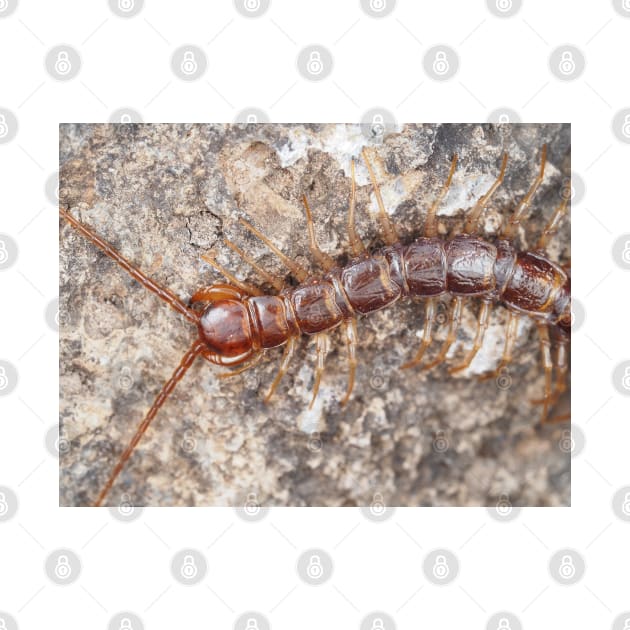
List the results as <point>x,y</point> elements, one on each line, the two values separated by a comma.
<point>165,194</point>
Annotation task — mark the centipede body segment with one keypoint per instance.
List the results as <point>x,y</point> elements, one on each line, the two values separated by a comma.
<point>236,321</point>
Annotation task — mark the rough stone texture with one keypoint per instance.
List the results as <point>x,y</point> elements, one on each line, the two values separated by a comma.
<point>164,194</point>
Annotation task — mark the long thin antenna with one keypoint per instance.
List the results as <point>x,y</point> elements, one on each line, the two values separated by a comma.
<point>164,294</point>
<point>168,387</point>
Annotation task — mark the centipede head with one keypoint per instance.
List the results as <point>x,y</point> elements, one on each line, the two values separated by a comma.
<point>224,324</point>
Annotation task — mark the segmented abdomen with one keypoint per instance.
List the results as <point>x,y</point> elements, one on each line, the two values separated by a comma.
<point>465,266</point>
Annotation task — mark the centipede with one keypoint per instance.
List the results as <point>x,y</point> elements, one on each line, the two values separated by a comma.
<point>234,323</point>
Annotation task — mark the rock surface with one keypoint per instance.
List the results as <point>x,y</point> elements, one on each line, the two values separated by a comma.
<point>165,194</point>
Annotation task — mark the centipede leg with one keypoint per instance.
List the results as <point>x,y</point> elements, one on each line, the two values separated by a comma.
<point>243,368</point>
<point>430,225</point>
<point>321,257</point>
<point>275,282</point>
<point>455,315</point>
<point>245,286</point>
<point>299,272</point>
<point>545,351</point>
<point>482,325</point>
<point>427,332</point>
<point>510,339</point>
<point>350,329</point>
<point>289,350</point>
<point>356,244</point>
<point>323,345</point>
<point>552,226</point>
<point>522,207</point>
<point>389,231</point>
<point>475,213</point>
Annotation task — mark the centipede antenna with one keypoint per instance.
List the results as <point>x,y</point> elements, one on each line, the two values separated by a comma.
<point>245,286</point>
<point>522,207</point>
<point>356,244</point>
<point>167,389</point>
<point>164,294</point>
<point>321,257</point>
<point>475,213</point>
<point>430,225</point>
<point>276,283</point>
<point>390,236</point>
<point>299,272</point>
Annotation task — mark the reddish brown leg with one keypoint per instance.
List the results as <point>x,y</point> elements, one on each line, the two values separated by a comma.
<point>522,207</point>
<point>299,272</point>
<point>167,389</point>
<point>284,366</point>
<point>356,244</point>
<point>430,225</point>
<point>454,317</point>
<point>545,351</point>
<point>510,338</point>
<point>429,318</point>
<point>164,294</point>
<point>482,325</point>
<point>243,366</point>
<point>475,213</point>
<point>215,292</point>
<point>324,260</point>
<point>389,230</point>
<point>552,226</point>
<point>350,328</point>
<point>276,283</point>
<point>323,345</point>
<point>249,289</point>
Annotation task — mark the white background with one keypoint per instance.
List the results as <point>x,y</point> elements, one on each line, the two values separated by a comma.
<point>252,62</point>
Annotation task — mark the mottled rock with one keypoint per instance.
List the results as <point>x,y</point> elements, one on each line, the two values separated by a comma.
<point>165,194</point>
